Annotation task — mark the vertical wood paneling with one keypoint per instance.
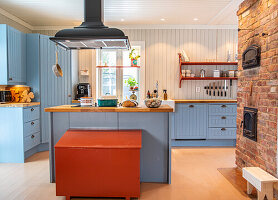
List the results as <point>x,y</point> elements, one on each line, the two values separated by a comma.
<point>54,91</point>
<point>162,47</point>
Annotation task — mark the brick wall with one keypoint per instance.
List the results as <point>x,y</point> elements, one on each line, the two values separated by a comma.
<point>261,17</point>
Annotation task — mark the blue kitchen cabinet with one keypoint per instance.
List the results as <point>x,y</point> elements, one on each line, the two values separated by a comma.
<point>222,121</point>
<point>204,124</point>
<point>48,89</point>
<point>13,56</point>
<point>190,121</point>
<point>20,133</point>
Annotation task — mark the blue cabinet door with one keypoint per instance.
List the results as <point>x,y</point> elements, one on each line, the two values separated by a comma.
<point>53,91</point>
<point>16,56</point>
<point>191,121</point>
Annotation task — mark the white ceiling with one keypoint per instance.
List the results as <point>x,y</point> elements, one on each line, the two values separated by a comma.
<point>178,12</point>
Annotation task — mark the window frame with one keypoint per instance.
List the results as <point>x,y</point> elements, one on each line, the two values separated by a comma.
<point>119,72</point>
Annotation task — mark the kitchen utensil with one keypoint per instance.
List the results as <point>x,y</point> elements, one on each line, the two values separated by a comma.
<point>231,85</point>
<point>218,89</point>
<point>86,101</point>
<point>5,96</point>
<point>225,88</point>
<point>216,73</point>
<point>56,68</point>
<point>202,73</point>
<point>209,89</point>
<point>213,88</point>
<point>108,101</point>
<point>221,89</point>
<point>153,103</point>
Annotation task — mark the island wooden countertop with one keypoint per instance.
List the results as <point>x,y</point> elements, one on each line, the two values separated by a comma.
<point>72,108</point>
<point>19,105</point>
<point>205,100</point>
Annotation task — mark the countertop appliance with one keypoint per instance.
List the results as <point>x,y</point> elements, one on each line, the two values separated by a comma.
<point>83,90</point>
<point>5,96</point>
<point>92,33</point>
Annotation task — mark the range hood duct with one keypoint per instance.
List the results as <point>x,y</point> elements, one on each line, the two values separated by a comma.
<point>92,33</point>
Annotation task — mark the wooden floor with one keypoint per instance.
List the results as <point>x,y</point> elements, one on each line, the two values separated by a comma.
<point>194,177</point>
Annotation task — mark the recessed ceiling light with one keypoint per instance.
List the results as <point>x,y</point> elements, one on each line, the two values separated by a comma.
<point>195,19</point>
<point>122,20</point>
<point>162,19</point>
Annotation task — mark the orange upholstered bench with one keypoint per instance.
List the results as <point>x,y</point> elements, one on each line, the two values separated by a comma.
<point>96,163</point>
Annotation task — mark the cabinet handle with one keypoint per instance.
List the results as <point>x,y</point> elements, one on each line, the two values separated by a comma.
<point>223,117</point>
<point>191,106</point>
<point>69,95</point>
<point>32,123</point>
<point>223,129</point>
<point>10,79</point>
<point>32,136</point>
<point>32,109</point>
<point>223,106</point>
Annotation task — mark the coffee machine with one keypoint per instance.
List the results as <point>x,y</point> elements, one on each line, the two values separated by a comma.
<point>83,90</point>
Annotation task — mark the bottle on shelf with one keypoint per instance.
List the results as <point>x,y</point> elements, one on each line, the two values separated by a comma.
<point>148,94</point>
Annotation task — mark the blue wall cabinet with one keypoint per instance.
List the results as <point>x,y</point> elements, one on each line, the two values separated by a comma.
<point>190,121</point>
<point>48,89</point>
<point>13,56</point>
<point>20,133</point>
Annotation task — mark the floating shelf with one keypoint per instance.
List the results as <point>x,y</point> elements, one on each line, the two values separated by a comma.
<point>209,78</point>
<point>204,63</point>
<point>117,66</point>
<point>209,63</point>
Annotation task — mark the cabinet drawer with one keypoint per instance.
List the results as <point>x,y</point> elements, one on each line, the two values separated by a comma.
<point>31,127</point>
<point>222,133</point>
<point>31,113</point>
<point>222,121</point>
<point>32,141</point>
<point>222,109</point>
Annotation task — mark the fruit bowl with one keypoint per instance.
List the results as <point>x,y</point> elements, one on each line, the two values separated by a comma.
<point>153,103</point>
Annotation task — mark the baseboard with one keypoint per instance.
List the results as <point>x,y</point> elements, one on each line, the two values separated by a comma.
<point>36,149</point>
<point>203,143</point>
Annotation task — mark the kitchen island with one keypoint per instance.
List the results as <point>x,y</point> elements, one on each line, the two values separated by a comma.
<point>155,123</point>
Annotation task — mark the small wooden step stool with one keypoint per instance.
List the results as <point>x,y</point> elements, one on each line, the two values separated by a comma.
<point>261,180</point>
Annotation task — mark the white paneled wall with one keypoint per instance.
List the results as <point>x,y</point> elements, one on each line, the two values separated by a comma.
<point>162,48</point>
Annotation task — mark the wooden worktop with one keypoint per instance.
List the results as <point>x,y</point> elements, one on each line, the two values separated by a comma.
<point>205,100</point>
<point>71,108</point>
<point>19,105</point>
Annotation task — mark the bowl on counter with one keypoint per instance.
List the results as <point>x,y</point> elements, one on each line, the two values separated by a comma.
<point>153,103</point>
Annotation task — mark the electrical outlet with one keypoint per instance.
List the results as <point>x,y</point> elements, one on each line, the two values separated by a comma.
<point>198,89</point>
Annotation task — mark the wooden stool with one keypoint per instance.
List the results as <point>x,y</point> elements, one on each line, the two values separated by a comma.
<point>261,180</point>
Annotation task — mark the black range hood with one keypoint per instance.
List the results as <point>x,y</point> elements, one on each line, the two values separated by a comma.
<point>92,34</point>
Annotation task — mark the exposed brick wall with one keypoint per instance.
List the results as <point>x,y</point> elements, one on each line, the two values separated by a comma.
<point>261,16</point>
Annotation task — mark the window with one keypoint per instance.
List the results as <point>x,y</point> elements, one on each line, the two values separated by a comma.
<point>111,80</point>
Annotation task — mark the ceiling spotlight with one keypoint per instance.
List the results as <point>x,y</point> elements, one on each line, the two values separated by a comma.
<point>195,19</point>
<point>122,20</point>
<point>162,19</point>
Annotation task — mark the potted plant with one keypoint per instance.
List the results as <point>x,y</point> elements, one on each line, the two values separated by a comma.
<point>131,82</point>
<point>133,57</point>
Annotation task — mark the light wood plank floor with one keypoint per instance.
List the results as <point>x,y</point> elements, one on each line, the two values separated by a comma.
<point>194,177</point>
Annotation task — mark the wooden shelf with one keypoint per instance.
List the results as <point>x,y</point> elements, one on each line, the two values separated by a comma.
<point>209,63</point>
<point>118,67</point>
<point>204,63</point>
<point>209,78</point>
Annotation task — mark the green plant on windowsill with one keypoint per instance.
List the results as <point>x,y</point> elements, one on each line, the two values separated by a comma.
<point>133,57</point>
<point>131,82</point>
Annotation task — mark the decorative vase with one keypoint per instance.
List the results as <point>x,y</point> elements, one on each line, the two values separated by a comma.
<point>133,62</point>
